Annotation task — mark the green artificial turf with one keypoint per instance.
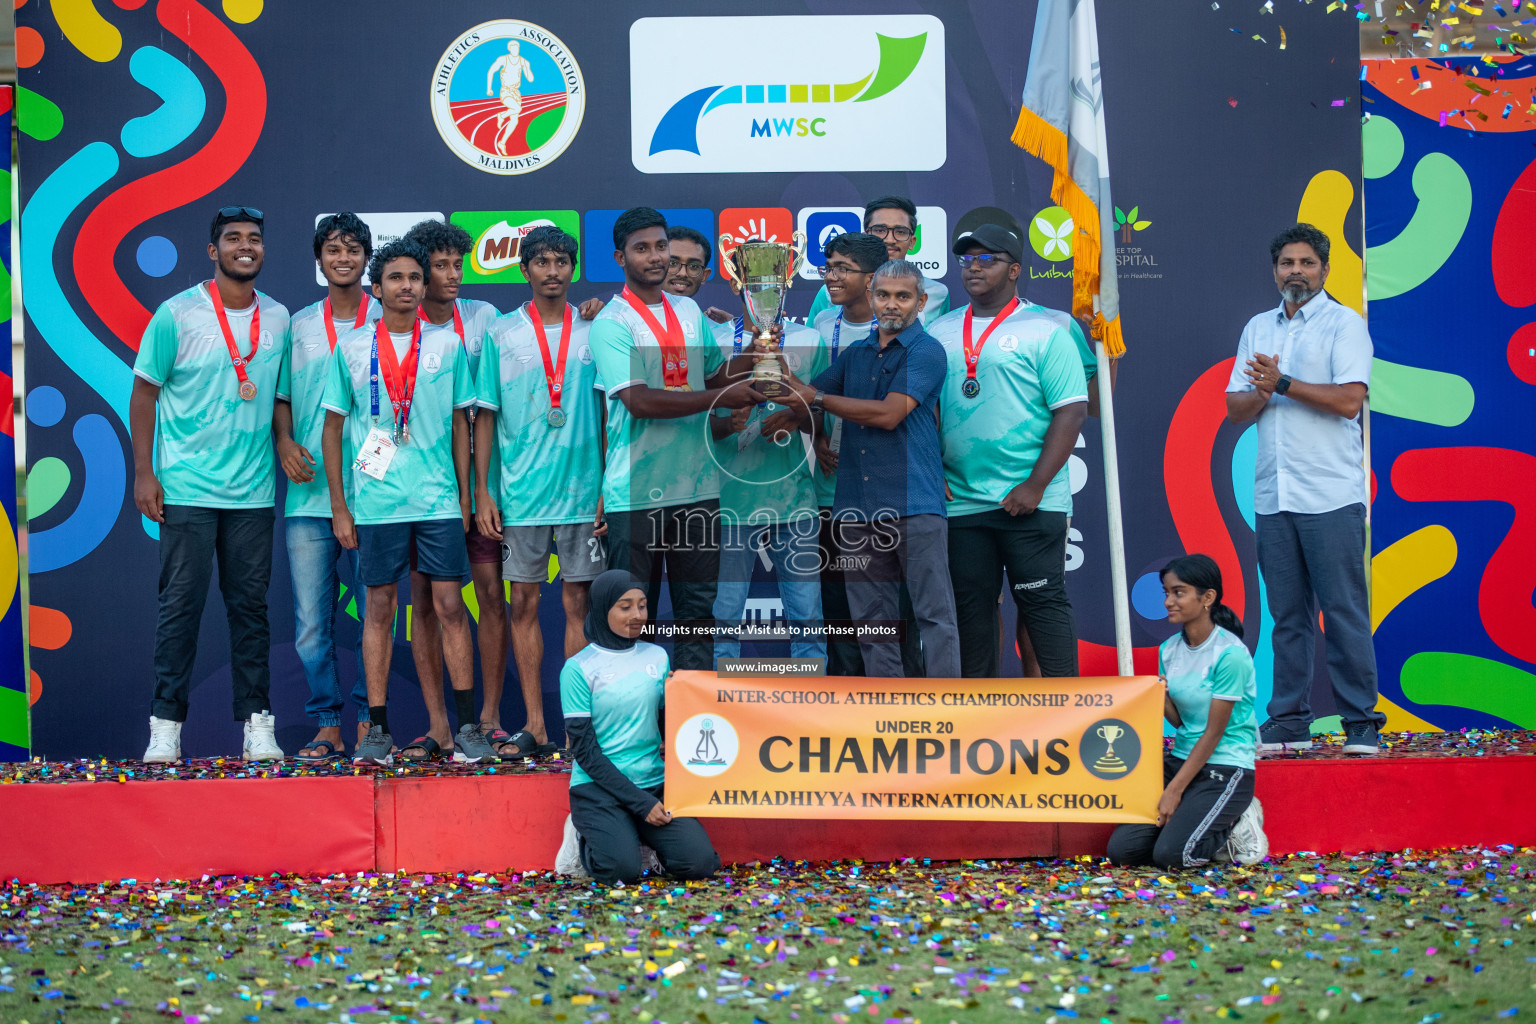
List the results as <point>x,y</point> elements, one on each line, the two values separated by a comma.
<point>1415,936</point>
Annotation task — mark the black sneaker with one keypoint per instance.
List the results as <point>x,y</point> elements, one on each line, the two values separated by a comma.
<point>1277,736</point>
<point>1361,738</point>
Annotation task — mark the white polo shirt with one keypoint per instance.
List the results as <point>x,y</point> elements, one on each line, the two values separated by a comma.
<point>1309,461</point>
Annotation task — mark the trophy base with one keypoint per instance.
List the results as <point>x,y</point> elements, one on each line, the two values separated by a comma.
<point>772,387</point>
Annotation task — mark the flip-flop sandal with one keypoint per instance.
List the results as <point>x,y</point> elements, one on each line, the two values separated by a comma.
<point>546,749</point>
<point>522,742</point>
<point>332,752</point>
<point>496,737</point>
<point>433,750</point>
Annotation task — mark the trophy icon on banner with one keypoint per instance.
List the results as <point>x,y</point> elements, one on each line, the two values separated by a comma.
<point>1110,762</point>
<point>763,271</point>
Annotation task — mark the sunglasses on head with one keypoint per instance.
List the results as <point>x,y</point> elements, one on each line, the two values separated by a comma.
<point>241,213</point>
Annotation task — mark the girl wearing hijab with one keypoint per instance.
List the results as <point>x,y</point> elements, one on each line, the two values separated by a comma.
<point>1207,810</point>
<point>612,692</point>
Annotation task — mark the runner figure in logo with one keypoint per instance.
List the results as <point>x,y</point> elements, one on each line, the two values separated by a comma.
<point>707,751</point>
<point>513,69</point>
<point>507,96</point>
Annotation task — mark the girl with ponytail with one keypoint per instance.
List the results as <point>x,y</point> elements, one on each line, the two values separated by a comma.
<point>1207,811</point>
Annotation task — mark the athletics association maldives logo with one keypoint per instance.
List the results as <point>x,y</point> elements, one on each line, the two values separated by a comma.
<point>507,97</point>
<point>837,84</point>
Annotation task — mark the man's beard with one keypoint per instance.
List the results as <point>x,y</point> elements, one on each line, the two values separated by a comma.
<point>237,271</point>
<point>1298,294</point>
<point>896,324</point>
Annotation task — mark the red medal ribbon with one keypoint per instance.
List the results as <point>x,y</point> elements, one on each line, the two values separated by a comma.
<point>330,326</point>
<point>973,352</point>
<point>229,336</point>
<point>399,380</point>
<point>674,345</point>
<point>458,322</point>
<point>554,369</point>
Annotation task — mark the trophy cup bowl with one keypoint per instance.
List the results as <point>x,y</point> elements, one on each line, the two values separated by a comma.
<point>764,271</point>
<point>1109,762</point>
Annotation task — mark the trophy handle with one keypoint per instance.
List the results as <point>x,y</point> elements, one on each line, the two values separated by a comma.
<point>796,257</point>
<point>728,262</point>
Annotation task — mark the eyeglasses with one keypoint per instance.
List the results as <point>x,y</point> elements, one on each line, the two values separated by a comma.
<point>831,271</point>
<point>693,268</point>
<point>898,233</point>
<point>241,213</point>
<point>984,259</point>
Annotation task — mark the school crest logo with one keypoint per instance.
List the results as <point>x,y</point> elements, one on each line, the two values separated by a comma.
<point>507,96</point>
<point>707,745</point>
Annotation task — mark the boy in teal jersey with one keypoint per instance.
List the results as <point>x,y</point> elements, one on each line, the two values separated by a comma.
<point>343,245</point>
<point>1207,810</point>
<point>447,245</point>
<point>894,220</point>
<point>395,388</point>
<point>201,416</point>
<point>767,494</point>
<point>612,692</point>
<point>1013,402</point>
<point>539,411</point>
<point>662,373</point>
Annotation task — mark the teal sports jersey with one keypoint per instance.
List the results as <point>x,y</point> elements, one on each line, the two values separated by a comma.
<point>1028,369</point>
<point>420,483</point>
<point>553,474</point>
<point>1219,669</point>
<point>621,691</point>
<point>653,463</point>
<point>763,482</point>
<point>476,316</point>
<point>845,335</point>
<point>213,449</point>
<point>306,368</point>
<point>938,302</point>
<point>1084,350</point>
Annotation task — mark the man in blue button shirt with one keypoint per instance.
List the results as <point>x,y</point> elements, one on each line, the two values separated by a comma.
<point>1304,369</point>
<point>889,505</point>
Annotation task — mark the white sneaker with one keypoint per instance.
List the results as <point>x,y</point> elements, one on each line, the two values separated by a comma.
<point>261,738</point>
<point>164,742</point>
<point>1247,845</point>
<point>568,860</point>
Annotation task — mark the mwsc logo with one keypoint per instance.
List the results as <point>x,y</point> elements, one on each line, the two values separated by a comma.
<point>697,119</point>
<point>507,97</point>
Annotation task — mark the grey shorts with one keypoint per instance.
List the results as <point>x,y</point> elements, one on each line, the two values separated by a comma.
<point>525,552</point>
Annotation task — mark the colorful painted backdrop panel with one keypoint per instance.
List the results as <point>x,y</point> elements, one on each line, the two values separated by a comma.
<point>15,693</point>
<point>139,119</point>
<point>1450,197</point>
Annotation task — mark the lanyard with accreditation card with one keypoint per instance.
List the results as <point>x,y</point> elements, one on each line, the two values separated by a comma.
<point>554,368</point>
<point>247,386</point>
<point>399,379</point>
<point>972,387</point>
<point>672,341</point>
<point>330,325</point>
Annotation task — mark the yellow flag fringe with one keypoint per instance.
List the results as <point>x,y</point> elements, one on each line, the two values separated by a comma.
<point>1035,135</point>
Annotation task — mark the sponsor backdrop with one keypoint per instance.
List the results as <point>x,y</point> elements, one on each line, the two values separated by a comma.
<point>13,680</point>
<point>966,749</point>
<point>1452,279</point>
<point>137,123</point>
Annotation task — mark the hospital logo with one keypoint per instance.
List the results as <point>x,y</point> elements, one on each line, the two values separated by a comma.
<point>706,745</point>
<point>824,102</point>
<point>507,97</point>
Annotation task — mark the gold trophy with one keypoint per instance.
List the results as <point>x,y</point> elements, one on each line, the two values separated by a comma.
<point>764,271</point>
<point>1109,762</point>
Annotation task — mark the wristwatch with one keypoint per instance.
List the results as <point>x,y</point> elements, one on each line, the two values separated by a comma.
<point>817,400</point>
<point>1283,384</point>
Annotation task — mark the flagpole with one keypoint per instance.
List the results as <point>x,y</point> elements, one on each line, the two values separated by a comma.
<point>1119,593</point>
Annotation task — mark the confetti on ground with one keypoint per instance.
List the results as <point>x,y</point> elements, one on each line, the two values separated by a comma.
<point>1416,936</point>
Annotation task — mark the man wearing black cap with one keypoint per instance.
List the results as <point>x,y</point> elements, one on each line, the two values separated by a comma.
<point>1013,401</point>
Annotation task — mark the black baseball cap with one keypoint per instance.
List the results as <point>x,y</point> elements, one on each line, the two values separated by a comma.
<point>993,238</point>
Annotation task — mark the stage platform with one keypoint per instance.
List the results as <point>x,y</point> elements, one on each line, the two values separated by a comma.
<point>86,822</point>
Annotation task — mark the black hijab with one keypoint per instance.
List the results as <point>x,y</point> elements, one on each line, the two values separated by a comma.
<point>606,591</point>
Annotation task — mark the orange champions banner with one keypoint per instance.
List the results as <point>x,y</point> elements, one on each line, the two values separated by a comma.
<point>959,749</point>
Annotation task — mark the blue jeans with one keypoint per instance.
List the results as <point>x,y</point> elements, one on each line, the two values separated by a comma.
<point>312,553</point>
<point>1319,557</point>
<point>795,551</point>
